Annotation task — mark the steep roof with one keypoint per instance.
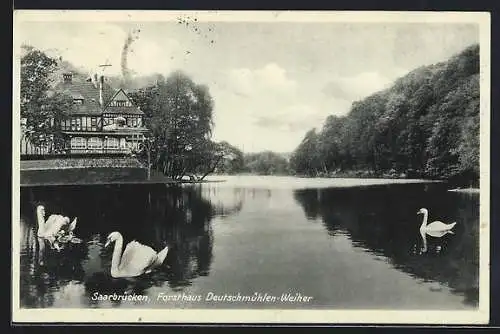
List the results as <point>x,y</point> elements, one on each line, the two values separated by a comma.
<point>82,88</point>
<point>120,94</point>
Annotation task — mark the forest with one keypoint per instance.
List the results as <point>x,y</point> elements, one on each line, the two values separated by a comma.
<point>426,125</point>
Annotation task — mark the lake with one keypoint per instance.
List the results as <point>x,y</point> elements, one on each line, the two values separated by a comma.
<point>258,242</point>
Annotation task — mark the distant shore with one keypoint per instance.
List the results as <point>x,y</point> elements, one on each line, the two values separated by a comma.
<point>466,190</point>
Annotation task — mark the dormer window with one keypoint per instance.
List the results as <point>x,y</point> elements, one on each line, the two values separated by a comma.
<point>77,101</point>
<point>67,77</point>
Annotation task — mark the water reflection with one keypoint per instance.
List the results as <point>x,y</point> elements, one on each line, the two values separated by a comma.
<point>382,221</point>
<point>179,217</point>
<point>232,238</point>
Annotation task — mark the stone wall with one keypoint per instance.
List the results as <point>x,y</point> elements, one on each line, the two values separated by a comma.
<point>81,171</point>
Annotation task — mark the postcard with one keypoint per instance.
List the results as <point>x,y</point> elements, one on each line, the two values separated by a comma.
<point>315,167</point>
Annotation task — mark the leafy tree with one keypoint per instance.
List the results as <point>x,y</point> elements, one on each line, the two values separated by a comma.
<point>266,163</point>
<point>43,109</point>
<point>233,160</point>
<point>306,157</point>
<point>179,115</point>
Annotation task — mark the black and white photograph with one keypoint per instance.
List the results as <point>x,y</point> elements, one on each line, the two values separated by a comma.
<point>250,167</point>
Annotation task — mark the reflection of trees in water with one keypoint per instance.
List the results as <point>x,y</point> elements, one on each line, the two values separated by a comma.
<point>383,221</point>
<point>226,201</point>
<point>46,269</point>
<point>157,215</point>
<point>309,199</point>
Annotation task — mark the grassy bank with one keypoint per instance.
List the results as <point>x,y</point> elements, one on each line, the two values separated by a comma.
<point>70,171</point>
<point>95,175</point>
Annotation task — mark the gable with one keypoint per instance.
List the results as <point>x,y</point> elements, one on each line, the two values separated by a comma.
<point>121,103</point>
<point>120,99</point>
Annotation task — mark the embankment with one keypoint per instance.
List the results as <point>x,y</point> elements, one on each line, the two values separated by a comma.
<point>81,171</point>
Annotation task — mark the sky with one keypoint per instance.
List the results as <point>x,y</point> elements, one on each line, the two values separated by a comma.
<point>271,81</point>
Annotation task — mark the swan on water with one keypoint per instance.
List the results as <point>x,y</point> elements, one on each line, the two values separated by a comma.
<point>435,228</point>
<point>55,227</point>
<point>435,234</point>
<point>137,259</point>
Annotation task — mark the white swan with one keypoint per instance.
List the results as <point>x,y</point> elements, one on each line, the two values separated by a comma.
<point>65,234</point>
<point>436,228</point>
<point>54,227</point>
<point>137,259</point>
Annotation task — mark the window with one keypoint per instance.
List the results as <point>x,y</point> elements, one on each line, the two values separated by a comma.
<point>78,101</point>
<point>134,121</point>
<point>112,143</point>
<point>76,124</point>
<point>109,121</point>
<point>120,103</point>
<point>93,123</point>
<point>78,143</point>
<point>95,143</point>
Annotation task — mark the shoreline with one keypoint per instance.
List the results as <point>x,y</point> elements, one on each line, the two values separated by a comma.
<point>465,190</point>
<point>222,178</point>
<point>120,182</point>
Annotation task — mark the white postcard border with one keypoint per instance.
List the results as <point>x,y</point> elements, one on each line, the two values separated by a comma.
<point>480,316</point>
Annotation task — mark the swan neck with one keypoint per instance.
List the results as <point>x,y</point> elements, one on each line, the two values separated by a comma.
<point>41,222</point>
<point>424,222</point>
<point>424,240</point>
<point>117,251</point>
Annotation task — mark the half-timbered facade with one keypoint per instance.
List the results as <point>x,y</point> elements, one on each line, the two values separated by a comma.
<point>103,121</point>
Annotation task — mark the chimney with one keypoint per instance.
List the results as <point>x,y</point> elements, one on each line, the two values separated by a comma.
<point>67,77</point>
<point>101,87</point>
<point>95,81</point>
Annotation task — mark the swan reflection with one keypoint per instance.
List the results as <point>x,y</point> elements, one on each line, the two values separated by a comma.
<point>438,234</point>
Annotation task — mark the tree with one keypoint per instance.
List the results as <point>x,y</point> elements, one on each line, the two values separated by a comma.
<point>266,163</point>
<point>179,116</point>
<point>232,160</point>
<point>331,144</point>
<point>42,109</point>
<point>306,158</point>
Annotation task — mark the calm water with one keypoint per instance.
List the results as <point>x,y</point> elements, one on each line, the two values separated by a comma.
<point>341,243</point>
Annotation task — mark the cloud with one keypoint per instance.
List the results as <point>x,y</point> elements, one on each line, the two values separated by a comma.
<point>359,86</point>
<point>273,76</point>
<point>272,99</point>
<point>292,118</point>
<point>270,79</point>
<point>148,57</point>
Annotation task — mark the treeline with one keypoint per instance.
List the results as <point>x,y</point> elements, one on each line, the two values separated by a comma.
<point>425,125</point>
<point>260,163</point>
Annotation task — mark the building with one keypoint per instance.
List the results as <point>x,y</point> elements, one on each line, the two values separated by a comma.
<point>104,121</point>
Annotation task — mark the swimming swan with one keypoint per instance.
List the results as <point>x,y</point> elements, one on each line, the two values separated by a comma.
<point>436,228</point>
<point>137,259</point>
<point>54,227</point>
